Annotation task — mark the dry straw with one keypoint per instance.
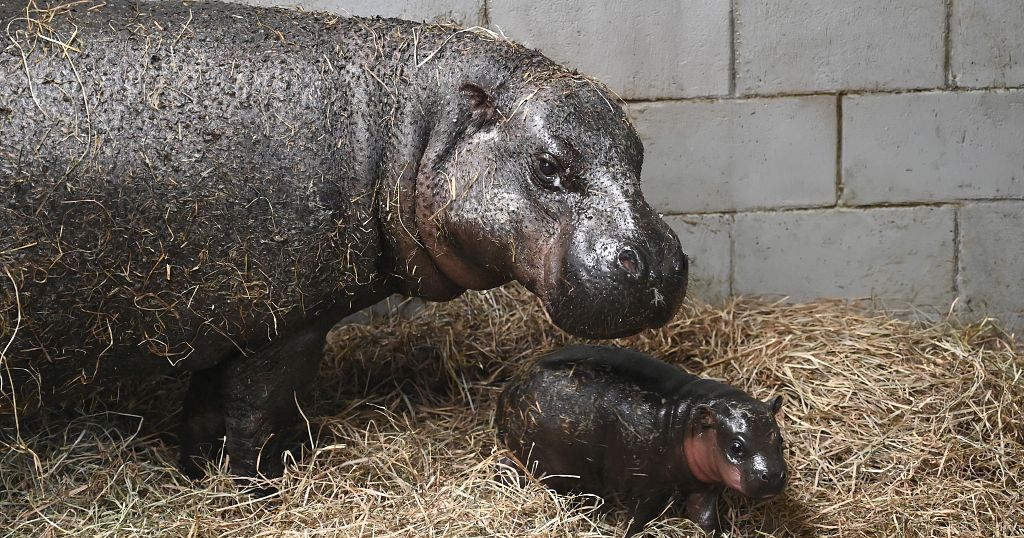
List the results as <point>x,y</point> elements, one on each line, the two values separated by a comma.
<point>893,429</point>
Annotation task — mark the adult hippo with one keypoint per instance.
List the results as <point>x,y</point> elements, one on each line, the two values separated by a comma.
<point>208,188</point>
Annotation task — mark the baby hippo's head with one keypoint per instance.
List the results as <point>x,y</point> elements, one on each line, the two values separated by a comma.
<point>735,441</point>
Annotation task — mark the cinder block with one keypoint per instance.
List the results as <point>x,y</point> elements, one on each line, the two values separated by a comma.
<point>935,146</point>
<point>468,12</point>
<point>898,255</point>
<point>988,43</point>
<point>702,157</point>
<point>991,277</point>
<point>707,241</point>
<point>1011,322</point>
<point>827,45</point>
<point>658,48</point>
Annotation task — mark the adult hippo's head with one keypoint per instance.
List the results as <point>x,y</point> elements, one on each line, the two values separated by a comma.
<point>534,175</point>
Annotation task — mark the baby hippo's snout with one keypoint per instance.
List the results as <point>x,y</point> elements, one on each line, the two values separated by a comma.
<point>772,483</point>
<point>776,480</point>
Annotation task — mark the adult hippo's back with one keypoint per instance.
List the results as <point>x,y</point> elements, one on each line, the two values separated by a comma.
<point>210,187</point>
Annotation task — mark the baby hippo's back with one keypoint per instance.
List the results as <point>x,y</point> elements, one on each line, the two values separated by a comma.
<point>596,419</point>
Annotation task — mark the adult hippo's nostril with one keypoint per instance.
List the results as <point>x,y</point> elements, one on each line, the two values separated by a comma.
<point>633,262</point>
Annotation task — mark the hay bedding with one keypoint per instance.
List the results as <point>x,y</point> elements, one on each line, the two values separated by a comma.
<point>893,429</point>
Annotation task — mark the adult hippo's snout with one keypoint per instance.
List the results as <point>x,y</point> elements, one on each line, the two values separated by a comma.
<point>642,263</point>
<point>607,287</point>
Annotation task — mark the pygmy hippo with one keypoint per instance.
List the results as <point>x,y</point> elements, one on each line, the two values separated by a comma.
<point>626,426</point>
<point>206,188</point>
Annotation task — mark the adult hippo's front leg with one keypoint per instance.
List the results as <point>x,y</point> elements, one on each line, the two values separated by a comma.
<point>261,395</point>
<point>250,404</point>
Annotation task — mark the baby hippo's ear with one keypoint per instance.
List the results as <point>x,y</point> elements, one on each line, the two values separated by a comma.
<point>481,104</point>
<point>705,417</point>
<point>775,404</point>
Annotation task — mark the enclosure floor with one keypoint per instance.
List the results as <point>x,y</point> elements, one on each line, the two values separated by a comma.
<point>892,429</point>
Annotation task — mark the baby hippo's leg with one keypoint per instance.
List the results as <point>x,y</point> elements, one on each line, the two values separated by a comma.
<point>702,509</point>
<point>646,510</point>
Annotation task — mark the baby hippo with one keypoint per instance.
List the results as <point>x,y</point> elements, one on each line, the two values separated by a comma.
<point>627,426</point>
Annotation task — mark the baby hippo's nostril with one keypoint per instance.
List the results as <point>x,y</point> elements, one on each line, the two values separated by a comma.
<point>776,477</point>
<point>632,262</point>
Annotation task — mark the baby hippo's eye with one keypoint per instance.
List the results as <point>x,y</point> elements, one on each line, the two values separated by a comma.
<point>736,448</point>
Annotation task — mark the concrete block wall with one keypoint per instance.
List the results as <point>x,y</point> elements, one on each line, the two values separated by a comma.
<point>809,148</point>
<point>821,148</point>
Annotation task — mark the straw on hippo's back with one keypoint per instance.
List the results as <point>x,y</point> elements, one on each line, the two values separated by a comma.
<point>624,425</point>
<point>209,187</point>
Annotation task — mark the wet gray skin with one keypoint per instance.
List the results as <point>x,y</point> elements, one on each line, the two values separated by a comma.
<point>750,450</point>
<point>626,426</point>
<point>208,188</point>
<point>553,201</point>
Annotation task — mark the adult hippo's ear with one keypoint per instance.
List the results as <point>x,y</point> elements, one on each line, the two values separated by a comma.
<point>481,104</point>
<point>775,404</point>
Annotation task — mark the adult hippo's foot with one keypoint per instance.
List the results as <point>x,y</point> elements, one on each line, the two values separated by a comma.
<point>250,405</point>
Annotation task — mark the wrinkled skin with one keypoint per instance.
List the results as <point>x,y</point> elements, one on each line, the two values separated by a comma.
<point>626,426</point>
<point>208,188</point>
<point>582,239</point>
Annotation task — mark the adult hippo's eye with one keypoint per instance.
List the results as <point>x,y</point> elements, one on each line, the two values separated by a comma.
<point>548,173</point>
<point>736,448</point>
<point>547,167</point>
